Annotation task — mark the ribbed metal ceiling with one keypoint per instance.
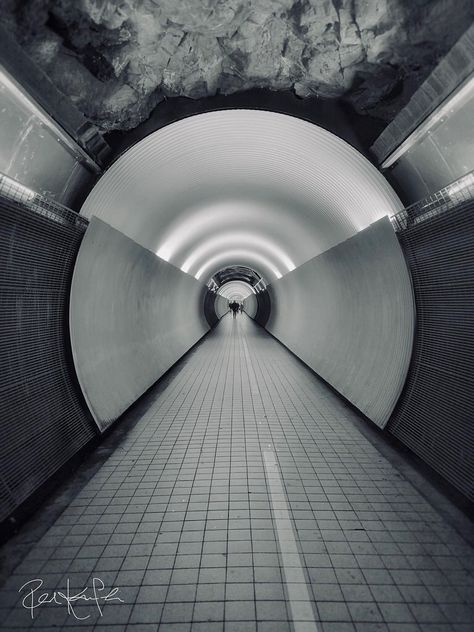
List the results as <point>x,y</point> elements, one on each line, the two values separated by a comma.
<point>237,290</point>
<point>244,187</point>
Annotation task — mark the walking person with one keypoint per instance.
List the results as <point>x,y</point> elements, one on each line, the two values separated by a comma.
<point>234,308</point>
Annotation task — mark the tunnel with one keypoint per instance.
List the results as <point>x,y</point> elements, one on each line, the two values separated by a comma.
<point>207,202</point>
<point>237,336</point>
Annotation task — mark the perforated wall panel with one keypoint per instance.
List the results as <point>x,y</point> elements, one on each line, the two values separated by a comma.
<point>43,421</point>
<point>435,414</point>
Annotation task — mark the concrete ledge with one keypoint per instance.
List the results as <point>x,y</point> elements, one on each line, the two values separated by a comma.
<point>454,68</point>
<point>39,87</point>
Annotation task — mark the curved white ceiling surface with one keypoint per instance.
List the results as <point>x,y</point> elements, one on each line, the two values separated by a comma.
<point>238,290</point>
<point>245,187</point>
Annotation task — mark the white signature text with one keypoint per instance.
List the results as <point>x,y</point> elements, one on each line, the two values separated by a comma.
<point>97,595</point>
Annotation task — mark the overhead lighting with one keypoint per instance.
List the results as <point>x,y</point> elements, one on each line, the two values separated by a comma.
<point>236,239</point>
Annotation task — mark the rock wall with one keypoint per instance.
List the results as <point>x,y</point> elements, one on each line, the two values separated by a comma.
<point>117,59</point>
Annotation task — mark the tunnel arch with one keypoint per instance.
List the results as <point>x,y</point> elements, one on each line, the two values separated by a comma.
<point>296,188</point>
<point>274,253</point>
<point>237,273</point>
<point>236,256</point>
<point>276,194</point>
<point>235,289</point>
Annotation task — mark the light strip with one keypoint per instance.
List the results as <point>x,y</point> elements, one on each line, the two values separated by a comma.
<point>236,239</point>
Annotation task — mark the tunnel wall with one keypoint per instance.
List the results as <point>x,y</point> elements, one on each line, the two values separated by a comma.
<point>435,413</point>
<point>251,305</point>
<point>31,152</point>
<point>431,158</point>
<point>47,143</point>
<point>438,158</point>
<point>209,308</point>
<point>349,314</point>
<point>221,306</point>
<point>132,316</point>
<point>44,420</point>
<point>258,307</point>
<point>215,307</point>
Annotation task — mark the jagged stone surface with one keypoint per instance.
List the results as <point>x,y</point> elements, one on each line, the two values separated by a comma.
<point>117,59</point>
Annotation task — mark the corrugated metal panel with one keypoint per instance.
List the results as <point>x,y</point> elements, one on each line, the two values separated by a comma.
<point>43,419</point>
<point>435,414</point>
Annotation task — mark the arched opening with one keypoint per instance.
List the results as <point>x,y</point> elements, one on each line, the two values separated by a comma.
<point>233,190</point>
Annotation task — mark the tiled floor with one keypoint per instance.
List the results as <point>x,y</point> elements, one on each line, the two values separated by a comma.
<point>190,516</point>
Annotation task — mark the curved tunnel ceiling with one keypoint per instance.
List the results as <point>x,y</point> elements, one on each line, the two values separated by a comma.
<point>237,290</point>
<point>246,187</point>
<point>237,273</point>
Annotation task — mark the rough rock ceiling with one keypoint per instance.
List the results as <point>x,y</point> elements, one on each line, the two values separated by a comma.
<point>117,59</point>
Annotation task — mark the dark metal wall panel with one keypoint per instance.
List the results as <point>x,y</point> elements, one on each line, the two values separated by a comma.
<point>435,414</point>
<point>209,308</point>
<point>264,307</point>
<point>215,306</point>
<point>258,306</point>
<point>43,422</point>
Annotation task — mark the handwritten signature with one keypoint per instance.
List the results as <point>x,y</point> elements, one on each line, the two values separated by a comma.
<point>35,598</point>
